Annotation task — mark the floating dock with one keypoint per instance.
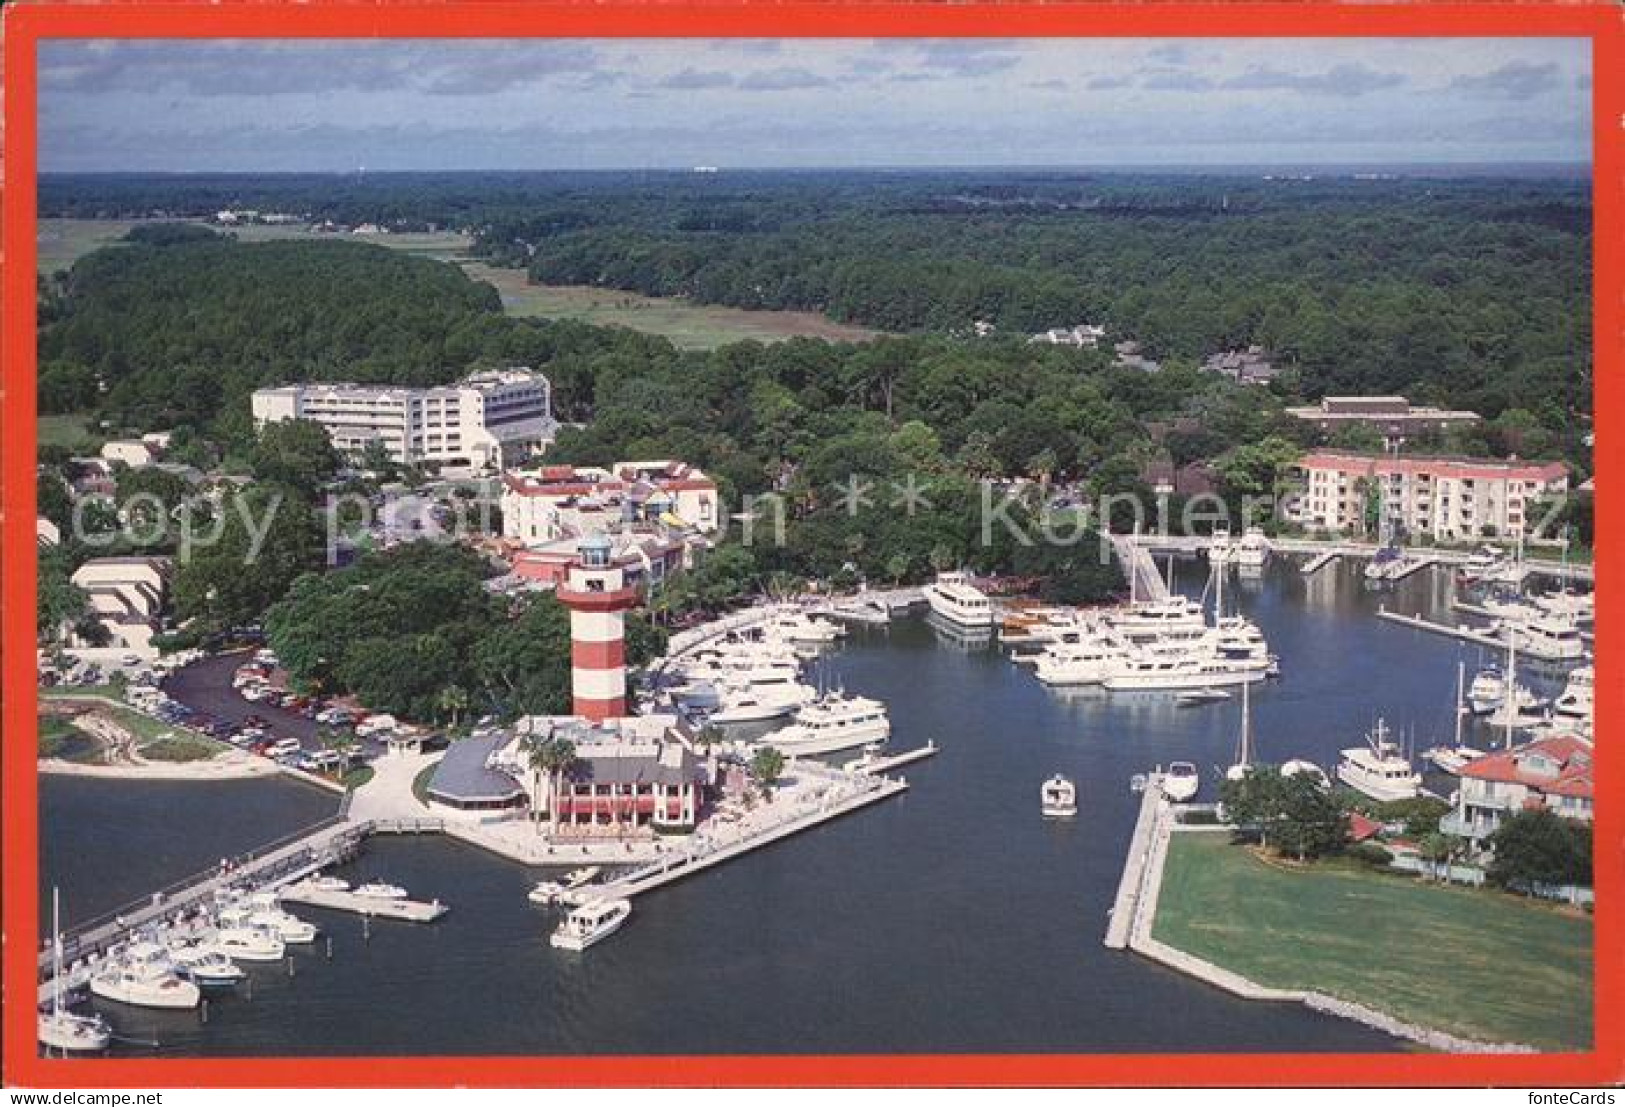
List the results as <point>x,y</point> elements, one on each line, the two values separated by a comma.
<point>907,757</point>
<point>1463,632</point>
<point>378,907</point>
<point>1126,906</point>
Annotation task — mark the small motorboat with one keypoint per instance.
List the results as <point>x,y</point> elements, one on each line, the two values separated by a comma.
<point>1058,798</point>
<point>578,877</point>
<point>1196,697</point>
<point>547,893</point>
<point>66,1032</point>
<point>591,923</point>
<point>206,966</point>
<point>1451,759</point>
<point>248,943</point>
<point>145,976</point>
<point>377,889</point>
<point>1181,781</point>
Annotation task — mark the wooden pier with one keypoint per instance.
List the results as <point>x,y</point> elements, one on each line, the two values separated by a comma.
<point>897,760</point>
<point>1130,889</point>
<point>1320,561</point>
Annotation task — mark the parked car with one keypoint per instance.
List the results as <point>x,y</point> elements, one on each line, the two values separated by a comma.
<point>285,747</point>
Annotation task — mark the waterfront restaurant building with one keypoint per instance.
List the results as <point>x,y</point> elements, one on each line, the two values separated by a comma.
<point>486,420</point>
<point>1446,499</point>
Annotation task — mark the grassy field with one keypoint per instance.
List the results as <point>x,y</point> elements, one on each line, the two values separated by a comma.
<point>688,326</point>
<point>67,430</point>
<point>1477,963</point>
<point>180,746</point>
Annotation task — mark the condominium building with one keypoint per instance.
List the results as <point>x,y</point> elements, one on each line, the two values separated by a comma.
<point>488,419</point>
<point>126,596</point>
<point>1552,773</point>
<point>1446,499</point>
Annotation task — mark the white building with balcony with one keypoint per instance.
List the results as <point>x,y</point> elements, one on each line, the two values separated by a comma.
<point>1446,499</point>
<point>1554,774</point>
<point>486,420</point>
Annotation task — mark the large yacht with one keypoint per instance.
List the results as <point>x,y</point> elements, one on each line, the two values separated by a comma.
<point>834,722</point>
<point>1576,701</point>
<point>1159,617</point>
<point>1088,661</point>
<point>756,702</point>
<point>591,923</point>
<point>797,626</point>
<point>1146,672</point>
<point>1379,769</point>
<point>1548,639</point>
<point>953,597</point>
<point>144,976</point>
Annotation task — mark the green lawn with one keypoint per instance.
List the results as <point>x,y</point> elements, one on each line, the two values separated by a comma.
<point>1473,962</point>
<point>181,746</point>
<point>66,430</point>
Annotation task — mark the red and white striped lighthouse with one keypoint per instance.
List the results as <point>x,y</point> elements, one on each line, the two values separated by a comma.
<point>596,592</point>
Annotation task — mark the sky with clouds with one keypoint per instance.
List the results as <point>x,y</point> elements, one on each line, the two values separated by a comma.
<point>585,104</point>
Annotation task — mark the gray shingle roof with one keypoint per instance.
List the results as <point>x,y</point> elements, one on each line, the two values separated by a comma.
<point>462,773</point>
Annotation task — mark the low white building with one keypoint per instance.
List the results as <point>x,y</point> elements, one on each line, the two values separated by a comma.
<point>127,596</point>
<point>561,501</point>
<point>1084,336</point>
<point>134,452</point>
<point>486,420</point>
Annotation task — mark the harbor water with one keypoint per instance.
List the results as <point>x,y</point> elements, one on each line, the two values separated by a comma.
<point>950,919</point>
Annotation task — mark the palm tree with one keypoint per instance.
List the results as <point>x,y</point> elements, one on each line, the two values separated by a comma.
<point>553,757</point>
<point>766,766</point>
<point>453,698</point>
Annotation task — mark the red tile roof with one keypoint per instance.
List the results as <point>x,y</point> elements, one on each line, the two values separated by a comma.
<point>1456,467</point>
<point>1572,754</point>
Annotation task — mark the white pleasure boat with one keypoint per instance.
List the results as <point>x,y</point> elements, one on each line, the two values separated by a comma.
<point>953,597</point>
<point>591,923</point>
<point>1379,769</point>
<point>575,878</point>
<point>751,703</point>
<point>378,889</point>
<point>795,626</point>
<point>1577,699</point>
<point>1149,673</point>
<point>547,892</point>
<point>1058,798</point>
<point>1548,638</point>
<point>1159,617</point>
<point>59,1028</point>
<point>833,723</point>
<point>1221,550</point>
<point>326,883</point>
<point>246,942</point>
<point>204,965</point>
<point>144,976</point>
<point>1253,549</point>
<point>1181,781</point>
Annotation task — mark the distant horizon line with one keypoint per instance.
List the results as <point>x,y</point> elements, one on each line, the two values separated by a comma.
<point>704,169</point>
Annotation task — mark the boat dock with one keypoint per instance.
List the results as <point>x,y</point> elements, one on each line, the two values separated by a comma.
<point>1402,567</point>
<point>1320,561</point>
<point>407,910</point>
<point>1463,632</point>
<point>673,868</point>
<point>907,757</point>
<point>1131,888</point>
<point>1145,582</point>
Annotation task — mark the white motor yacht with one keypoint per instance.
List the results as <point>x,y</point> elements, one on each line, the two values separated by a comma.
<point>204,965</point>
<point>261,910</point>
<point>144,976</point>
<point>1181,781</point>
<point>1058,798</point>
<point>1581,607</point>
<point>752,703</point>
<point>796,626</point>
<point>1577,699</point>
<point>1488,691</point>
<point>245,942</point>
<point>1159,617</point>
<point>59,1028</point>
<point>832,723</point>
<point>1221,550</point>
<point>591,923</point>
<point>1299,767</point>
<point>326,883</point>
<point>1149,673</point>
<point>1088,661</point>
<point>378,889</point>
<point>1379,769</point>
<point>575,878</point>
<point>1548,639</point>
<point>1253,549</point>
<point>1451,759</point>
<point>548,892</point>
<point>953,597</point>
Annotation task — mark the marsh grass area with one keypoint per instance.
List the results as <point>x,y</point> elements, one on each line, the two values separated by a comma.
<point>688,326</point>
<point>90,726</point>
<point>1478,963</point>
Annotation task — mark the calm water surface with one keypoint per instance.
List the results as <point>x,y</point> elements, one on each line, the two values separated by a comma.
<point>950,919</point>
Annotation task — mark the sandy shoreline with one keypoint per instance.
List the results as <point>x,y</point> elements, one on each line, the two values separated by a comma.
<point>228,766</point>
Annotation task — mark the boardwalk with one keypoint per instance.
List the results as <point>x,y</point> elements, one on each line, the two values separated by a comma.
<point>1145,582</point>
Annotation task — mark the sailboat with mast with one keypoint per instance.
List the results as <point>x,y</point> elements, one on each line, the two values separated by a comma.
<point>59,1028</point>
<point>1458,755</point>
<point>1244,740</point>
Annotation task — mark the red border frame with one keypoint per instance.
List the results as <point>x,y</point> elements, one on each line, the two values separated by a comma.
<point>27,21</point>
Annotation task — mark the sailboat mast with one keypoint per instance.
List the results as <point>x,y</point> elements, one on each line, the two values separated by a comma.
<point>1246,757</point>
<point>1461,684</point>
<point>1509,697</point>
<point>56,952</point>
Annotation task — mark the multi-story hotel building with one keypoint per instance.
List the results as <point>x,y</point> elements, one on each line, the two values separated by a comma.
<point>488,419</point>
<point>1447,499</point>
